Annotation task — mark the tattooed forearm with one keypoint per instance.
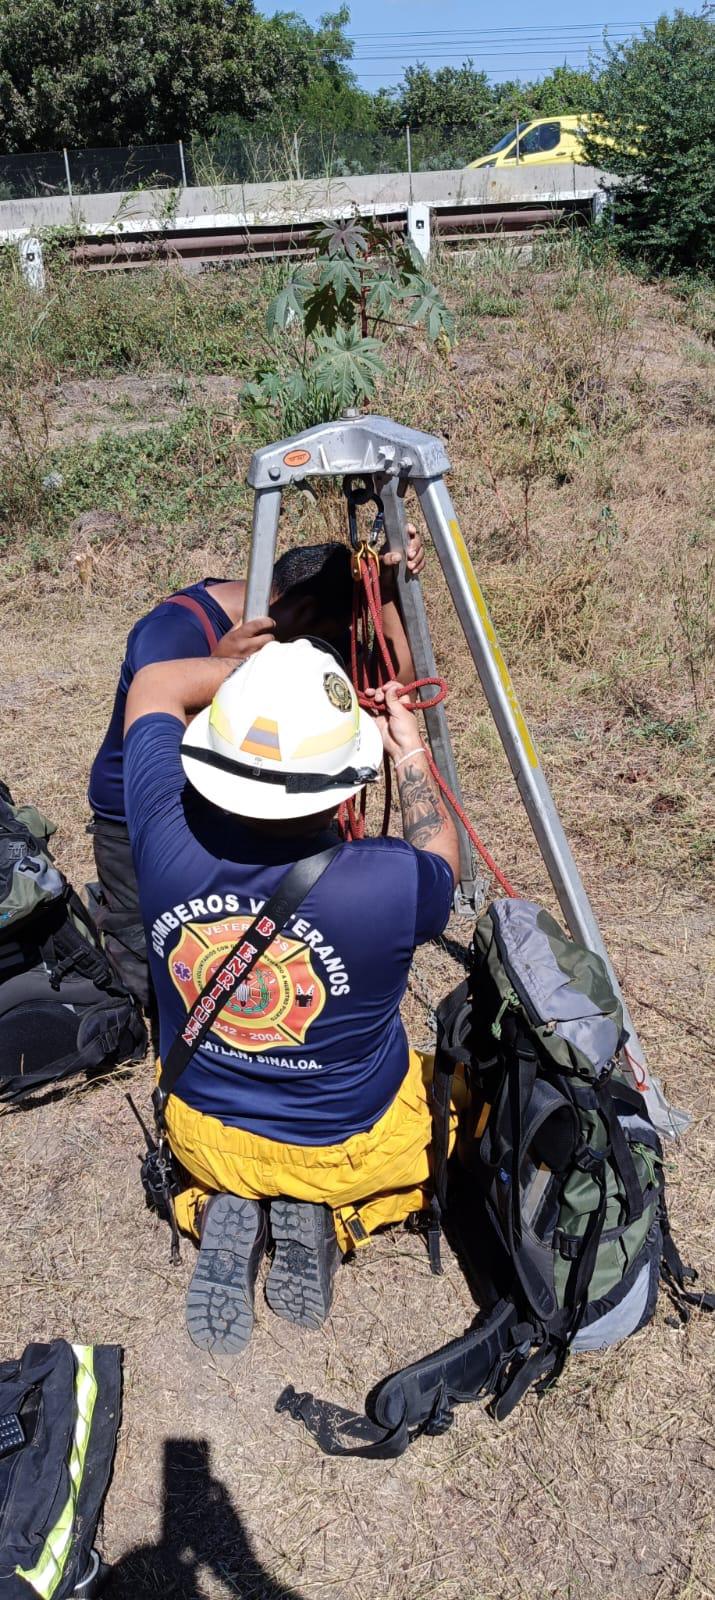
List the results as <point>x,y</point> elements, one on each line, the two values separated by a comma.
<point>423,815</point>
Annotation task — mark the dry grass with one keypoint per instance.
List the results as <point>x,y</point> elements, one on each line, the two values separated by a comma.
<point>595,556</point>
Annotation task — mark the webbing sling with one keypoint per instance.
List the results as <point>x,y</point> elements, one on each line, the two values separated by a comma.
<point>191,604</point>
<point>241,960</point>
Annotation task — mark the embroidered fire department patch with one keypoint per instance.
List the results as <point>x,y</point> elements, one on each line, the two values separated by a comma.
<point>338,691</point>
<point>276,1003</point>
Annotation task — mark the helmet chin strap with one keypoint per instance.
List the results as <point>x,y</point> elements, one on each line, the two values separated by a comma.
<point>292,782</point>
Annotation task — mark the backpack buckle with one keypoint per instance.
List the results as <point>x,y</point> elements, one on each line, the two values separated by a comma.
<point>434,1237</point>
<point>589,1160</point>
<point>568,1245</point>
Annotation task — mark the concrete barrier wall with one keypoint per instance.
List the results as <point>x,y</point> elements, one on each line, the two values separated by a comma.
<point>256,204</point>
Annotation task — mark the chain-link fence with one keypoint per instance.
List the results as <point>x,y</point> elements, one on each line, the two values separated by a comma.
<point>255,157</point>
<point>76,172</point>
<point>250,157</point>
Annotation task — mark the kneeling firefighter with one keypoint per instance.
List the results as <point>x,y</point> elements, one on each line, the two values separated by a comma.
<point>280,957</point>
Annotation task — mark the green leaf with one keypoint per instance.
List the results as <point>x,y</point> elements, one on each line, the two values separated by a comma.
<point>378,236</point>
<point>408,259</point>
<point>382,295</point>
<point>321,311</point>
<point>341,238</point>
<point>253,391</point>
<point>343,277</point>
<point>289,303</point>
<point>265,391</point>
<point>270,385</point>
<point>416,284</point>
<point>348,367</point>
<point>294,386</point>
<point>428,308</point>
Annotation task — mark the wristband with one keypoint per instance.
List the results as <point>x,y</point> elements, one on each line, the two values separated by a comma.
<point>419,750</point>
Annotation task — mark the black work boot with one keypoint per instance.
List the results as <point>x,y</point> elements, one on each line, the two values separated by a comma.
<point>300,1282</point>
<point>219,1300</point>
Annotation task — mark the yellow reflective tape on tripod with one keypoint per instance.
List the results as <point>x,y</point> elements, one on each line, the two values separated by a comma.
<point>497,657</point>
<point>45,1576</point>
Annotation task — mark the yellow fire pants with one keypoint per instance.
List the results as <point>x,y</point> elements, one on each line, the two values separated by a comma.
<point>370,1179</point>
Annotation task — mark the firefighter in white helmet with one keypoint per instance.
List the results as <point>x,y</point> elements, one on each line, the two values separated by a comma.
<point>302,1118</point>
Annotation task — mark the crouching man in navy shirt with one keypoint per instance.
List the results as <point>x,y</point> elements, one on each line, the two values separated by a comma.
<point>303,1111</point>
<point>312,594</point>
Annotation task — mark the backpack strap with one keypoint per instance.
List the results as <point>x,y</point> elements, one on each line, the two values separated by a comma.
<point>620,1151</point>
<point>114,1033</point>
<point>420,1398</point>
<point>72,945</point>
<point>240,961</point>
<point>676,1275</point>
<point>453,1027</point>
<point>190,603</point>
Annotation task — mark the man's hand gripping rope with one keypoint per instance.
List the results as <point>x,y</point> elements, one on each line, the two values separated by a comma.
<point>367,608</point>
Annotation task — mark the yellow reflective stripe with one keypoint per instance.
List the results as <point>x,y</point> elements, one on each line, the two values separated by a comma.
<point>219,721</point>
<point>45,1576</point>
<point>497,656</point>
<point>319,744</point>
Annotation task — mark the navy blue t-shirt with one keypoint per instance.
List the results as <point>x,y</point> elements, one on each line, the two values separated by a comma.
<point>312,1048</point>
<point>168,633</point>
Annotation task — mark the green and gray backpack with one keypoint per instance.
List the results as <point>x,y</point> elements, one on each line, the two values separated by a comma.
<point>555,1194</point>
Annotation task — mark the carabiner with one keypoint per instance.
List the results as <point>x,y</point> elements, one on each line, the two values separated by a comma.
<point>359,497</point>
<point>363,551</point>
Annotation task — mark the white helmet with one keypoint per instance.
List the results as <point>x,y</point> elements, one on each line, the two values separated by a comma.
<point>283,737</point>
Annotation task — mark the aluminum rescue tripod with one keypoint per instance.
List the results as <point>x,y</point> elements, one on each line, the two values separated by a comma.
<point>392,458</point>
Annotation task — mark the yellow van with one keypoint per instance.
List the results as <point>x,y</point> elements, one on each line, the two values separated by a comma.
<point>534,143</point>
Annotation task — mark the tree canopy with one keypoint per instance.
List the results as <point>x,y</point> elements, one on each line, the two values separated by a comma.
<point>462,97</point>
<point>656,98</point>
<point>119,72</point>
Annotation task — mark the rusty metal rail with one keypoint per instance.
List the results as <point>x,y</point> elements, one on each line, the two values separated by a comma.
<point>451,226</point>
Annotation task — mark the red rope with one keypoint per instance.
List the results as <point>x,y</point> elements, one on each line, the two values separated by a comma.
<point>367,609</point>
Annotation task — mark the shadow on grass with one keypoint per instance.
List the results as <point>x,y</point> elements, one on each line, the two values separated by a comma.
<point>201,1534</point>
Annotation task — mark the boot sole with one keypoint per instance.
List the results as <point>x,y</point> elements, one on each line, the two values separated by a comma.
<point>219,1300</point>
<point>299,1286</point>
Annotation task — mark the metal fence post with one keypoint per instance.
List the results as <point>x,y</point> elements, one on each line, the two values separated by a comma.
<point>32,265</point>
<point>409,158</point>
<point>67,172</point>
<point>601,206</point>
<point>418,227</point>
<point>183,164</point>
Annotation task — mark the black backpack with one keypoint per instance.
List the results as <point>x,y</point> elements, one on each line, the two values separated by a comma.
<point>555,1193</point>
<point>60,1409</point>
<point>62,1007</point>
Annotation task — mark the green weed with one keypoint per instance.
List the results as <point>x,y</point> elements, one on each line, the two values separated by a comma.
<point>678,730</point>
<point>160,479</point>
<point>484,304</point>
<point>90,324</point>
<point>158,475</point>
<point>694,298</point>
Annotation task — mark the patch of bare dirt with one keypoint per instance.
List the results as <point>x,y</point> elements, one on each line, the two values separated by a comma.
<point>83,409</point>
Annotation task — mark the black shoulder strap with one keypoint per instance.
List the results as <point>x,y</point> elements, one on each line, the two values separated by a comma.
<point>291,891</point>
<point>420,1398</point>
<point>452,1047</point>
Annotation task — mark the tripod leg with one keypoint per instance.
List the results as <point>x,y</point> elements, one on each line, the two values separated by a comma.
<point>266,511</point>
<point>414,616</point>
<point>524,761</point>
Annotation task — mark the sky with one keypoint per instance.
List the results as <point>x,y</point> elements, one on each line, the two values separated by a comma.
<point>519,43</point>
